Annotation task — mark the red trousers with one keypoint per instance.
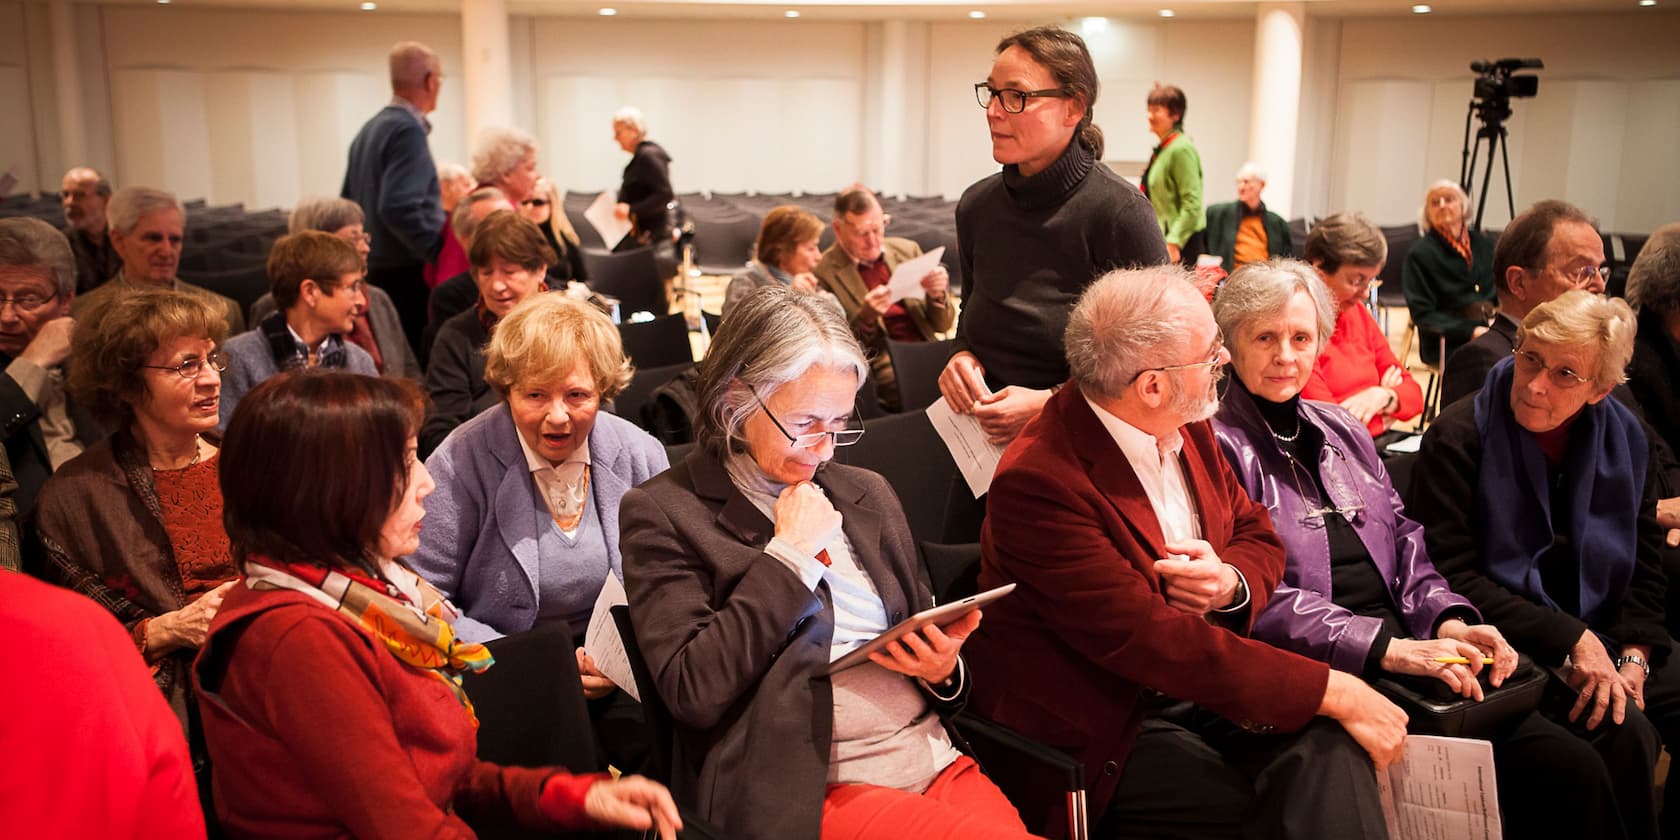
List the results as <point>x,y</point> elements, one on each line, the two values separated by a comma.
<point>961,804</point>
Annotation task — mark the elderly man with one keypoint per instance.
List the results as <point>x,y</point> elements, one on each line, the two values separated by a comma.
<point>1244,231</point>
<point>147,228</point>
<point>85,194</point>
<point>856,268</point>
<point>1140,564</point>
<point>42,426</point>
<point>391,175</point>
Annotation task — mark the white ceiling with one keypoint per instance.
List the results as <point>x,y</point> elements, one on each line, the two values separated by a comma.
<point>938,10</point>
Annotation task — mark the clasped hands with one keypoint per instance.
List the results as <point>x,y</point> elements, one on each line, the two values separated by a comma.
<point>1198,582</point>
<point>1002,414</point>
<point>807,520</point>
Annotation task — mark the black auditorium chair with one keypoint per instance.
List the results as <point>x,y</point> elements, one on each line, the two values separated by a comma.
<point>628,404</point>
<point>660,342</point>
<point>630,276</point>
<point>917,365</point>
<point>530,704</point>
<point>723,242</point>
<point>907,452</point>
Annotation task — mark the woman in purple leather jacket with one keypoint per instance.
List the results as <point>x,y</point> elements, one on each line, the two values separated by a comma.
<point>1359,591</point>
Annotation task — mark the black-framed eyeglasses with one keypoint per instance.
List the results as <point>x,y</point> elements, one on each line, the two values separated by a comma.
<point>1529,363</point>
<point>1213,361</point>
<point>27,302</point>
<point>1013,101</point>
<point>1318,506</point>
<point>844,437</point>
<point>534,202</point>
<point>191,367</point>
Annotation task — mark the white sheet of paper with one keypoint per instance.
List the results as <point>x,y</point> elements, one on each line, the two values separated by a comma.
<point>600,215</point>
<point>1441,789</point>
<point>906,280</point>
<point>1406,444</point>
<point>976,456</point>
<point>602,641</point>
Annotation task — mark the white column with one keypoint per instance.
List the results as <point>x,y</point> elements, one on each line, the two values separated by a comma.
<point>488,71</point>
<point>67,87</point>
<point>895,95</point>
<point>1276,107</point>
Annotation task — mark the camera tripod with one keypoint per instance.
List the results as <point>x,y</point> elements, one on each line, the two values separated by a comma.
<point>1498,139</point>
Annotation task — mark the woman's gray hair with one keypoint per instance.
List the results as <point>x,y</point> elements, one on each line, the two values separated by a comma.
<point>28,243</point>
<point>631,116</point>
<point>1444,183</point>
<point>771,337</point>
<point>1263,290</point>
<point>450,170</point>
<point>462,222</point>
<point>130,203</point>
<point>1654,280</point>
<point>1579,318</point>
<point>328,215</point>
<point>1125,323</point>
<point>499,151</point>
<point>1345,239</point>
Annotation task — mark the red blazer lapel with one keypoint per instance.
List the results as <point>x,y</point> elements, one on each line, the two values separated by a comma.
<point>1111,472</point>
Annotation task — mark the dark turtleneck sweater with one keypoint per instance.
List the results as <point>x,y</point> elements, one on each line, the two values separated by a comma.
<point>1029,245</point>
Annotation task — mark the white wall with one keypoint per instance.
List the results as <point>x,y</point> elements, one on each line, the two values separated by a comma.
<point>17,130</point>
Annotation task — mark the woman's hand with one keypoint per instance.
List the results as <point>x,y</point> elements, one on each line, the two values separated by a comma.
<point>963,383</point>
<point>595,684</point>
<point>1372,719</point>
<point>1003,414</point>
<point>187,626</point>
<point>804,282</point>
<point>1599,686</point>
<point>1418,658</point>
<point>929,654</point>
<point>1392,378</point>
<point>633,802</point>
<point>1372,401</point>
<point>621,211</point>
<point>1174,254</point>
<point>1490,640</point>
<point>805,518</point>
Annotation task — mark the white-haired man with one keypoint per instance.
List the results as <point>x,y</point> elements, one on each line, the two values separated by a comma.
<point>1244,231</point>
<point>392,176</point>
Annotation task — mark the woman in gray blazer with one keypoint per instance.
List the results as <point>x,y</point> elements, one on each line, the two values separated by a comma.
<point>754,564</point>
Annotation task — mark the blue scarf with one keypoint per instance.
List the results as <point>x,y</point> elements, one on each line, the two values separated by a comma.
<point>1604,473</point>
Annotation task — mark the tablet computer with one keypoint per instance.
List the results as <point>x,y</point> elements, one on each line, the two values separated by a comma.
<point>941,615</point>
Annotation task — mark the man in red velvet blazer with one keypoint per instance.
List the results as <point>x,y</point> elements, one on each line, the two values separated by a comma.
<point>1139,563</point>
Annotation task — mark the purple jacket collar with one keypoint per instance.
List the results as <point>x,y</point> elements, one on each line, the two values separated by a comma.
<point>1302,615</point>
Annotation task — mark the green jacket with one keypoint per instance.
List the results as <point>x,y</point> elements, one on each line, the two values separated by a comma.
<point>1175,190</point>
<point>1222,221</point>
<point>1439,284</point>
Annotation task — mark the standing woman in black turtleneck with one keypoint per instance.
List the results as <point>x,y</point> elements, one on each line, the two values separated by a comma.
<point>1032,237</point>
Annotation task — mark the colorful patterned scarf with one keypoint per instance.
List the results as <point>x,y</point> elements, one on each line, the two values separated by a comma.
<point>1460,242</point>
<point>405,612</point>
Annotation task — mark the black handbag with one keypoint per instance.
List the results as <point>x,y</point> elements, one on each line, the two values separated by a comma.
<point>1433,709</point>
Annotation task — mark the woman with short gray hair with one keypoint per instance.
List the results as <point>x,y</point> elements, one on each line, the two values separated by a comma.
<point>646,192</point>
<point>506,158</point>
<point>1654,289</point>
<point>754,564</point>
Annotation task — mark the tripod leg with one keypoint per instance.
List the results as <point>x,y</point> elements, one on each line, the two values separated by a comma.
<point>1487,175</point>
<point>1505,156</point>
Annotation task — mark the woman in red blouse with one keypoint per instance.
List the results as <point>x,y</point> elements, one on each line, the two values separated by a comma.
<point>330,683</point>
<point>1357,369</point>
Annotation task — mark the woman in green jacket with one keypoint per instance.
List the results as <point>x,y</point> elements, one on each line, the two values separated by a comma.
<point>1173,178</point>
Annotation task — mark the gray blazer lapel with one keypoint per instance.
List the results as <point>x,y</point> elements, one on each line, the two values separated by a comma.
<point>517,508</point>
<point>606,483</point>
<point>862,525</point>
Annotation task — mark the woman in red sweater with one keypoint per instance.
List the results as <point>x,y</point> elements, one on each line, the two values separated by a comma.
<point>331,677</point>
<point>1357,370</point>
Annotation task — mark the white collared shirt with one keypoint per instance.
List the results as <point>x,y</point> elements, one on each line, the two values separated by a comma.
<point>556,482</point>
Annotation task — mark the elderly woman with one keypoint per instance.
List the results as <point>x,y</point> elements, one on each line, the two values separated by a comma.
<point>504,158</point>
<point>755,563</point>
<point>1357,369</point>
<point>1448,275</point>
<point>454,182</point>
<point>510,263</point>
<point>1539,505</point>
<point>1173,177</point>
<point>1359,591</point>
<point>135,521</point>
<point>543,208</point>
<point>784,255</point>
<point>316,278</point>
<point>1032,237</point>
<point>331,681</point>
<point>646,190</point>
<point>377,328</point>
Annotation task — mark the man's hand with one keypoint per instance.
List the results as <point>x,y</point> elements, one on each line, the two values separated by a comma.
<point>878,301</point>
<point>1372,719</point>
<point>1668,516</point>
<point>1199,584</point>
<point>937,284</point>
<point>51,346</point>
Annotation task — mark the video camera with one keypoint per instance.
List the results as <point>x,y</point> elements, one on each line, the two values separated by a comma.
<point>1498,84</point>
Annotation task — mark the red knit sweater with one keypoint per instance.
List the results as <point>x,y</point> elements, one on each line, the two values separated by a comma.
<point>1355,359</point>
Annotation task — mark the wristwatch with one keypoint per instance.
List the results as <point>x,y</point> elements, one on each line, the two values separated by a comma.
<point>1635,659</point>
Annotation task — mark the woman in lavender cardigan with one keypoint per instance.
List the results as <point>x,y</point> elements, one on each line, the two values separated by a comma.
<point>1359,591</point>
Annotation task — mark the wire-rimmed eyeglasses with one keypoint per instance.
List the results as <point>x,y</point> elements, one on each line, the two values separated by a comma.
<point>192,366</point>
<point>1529,363</point>
<point>1318,506</point>
<point>1214,360</point>
<point>1013,101</point>
<point>843,437</point>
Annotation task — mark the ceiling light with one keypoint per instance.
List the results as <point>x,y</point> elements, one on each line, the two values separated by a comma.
<point>1421,9</point>
<point>791,13</point>
<point>368,7</point>
<point>1647,2</point>
<point>608,12</point>
<point>977,15</point>
<point>163,2</point>
<point>1093,25</point>
<point>1167,13</point>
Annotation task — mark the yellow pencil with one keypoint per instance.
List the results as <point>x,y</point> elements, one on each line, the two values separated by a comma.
<point>1460,660</point>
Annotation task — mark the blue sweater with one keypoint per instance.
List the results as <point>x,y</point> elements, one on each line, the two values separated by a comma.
<point>250,362</point>
<point>391,175</point>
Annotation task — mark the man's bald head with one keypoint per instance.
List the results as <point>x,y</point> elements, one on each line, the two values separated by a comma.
<point>416,74</point>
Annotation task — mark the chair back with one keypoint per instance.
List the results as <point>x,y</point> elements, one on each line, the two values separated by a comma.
<point>530,706</point>
<point>629,403</point>
<point>916,366</point>
<point>723,242</point>
<point>953,570</point>
<point>631,276</point>
<point>908,453</point>
<point>661,342</point>
<point>662,730</point>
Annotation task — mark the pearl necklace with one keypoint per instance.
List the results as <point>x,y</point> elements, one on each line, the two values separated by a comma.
<point>198,451</point>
